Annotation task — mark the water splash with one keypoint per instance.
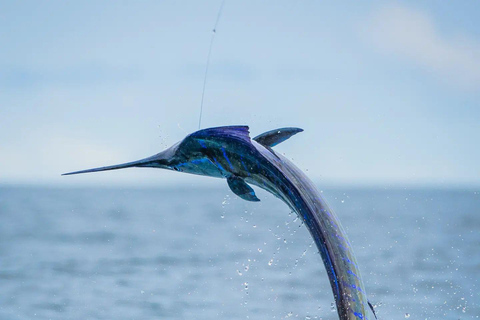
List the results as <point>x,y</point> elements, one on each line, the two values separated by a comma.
<point>332,307</point>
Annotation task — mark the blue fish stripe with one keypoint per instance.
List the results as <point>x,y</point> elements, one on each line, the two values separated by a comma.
<point>353,274</point>
<point>350,261</point>
<point>218,164</point>
<point>245,167</point>
<point>353,286</point>
<point>332,270</point>
<point>226,158</point>
<point>202,144</point>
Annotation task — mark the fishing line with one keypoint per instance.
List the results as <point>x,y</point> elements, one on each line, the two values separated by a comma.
<point>214,31</point>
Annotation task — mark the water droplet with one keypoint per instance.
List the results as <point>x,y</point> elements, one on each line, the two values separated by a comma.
<point>225,200</point>
<point>246,285</point>
<point>222,216</point>
<point>270,262</point>
<point>407,315</point>
<point>247,267</point>
<point>259,250</point>
<point>332,307</point>
<point>142,292</point>
<point>239,273</point>
<point>254,225</point>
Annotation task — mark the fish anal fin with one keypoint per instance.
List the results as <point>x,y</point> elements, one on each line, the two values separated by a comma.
<point>373,310</point>
<point>273,137</point>
<point>241,188</point>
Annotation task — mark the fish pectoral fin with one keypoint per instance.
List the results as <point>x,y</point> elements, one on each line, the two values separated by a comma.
<point>241,188</point>
<point>274,137</point>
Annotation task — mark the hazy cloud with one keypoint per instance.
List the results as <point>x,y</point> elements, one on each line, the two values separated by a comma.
<point>411,34</point>
<point>83,74</point>
<point>224,70</point>
<point>88,84</point>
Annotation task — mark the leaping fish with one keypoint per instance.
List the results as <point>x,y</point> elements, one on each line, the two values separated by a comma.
<point>230,153</point>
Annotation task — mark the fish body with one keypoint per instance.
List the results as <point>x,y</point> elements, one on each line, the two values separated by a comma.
<point>230,153</point>
<point>290,184</point>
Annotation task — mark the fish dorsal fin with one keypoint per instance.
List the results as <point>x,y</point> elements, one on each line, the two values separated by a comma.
<point>238,132</point>
<point>274,137</point>
<point>241,188</point>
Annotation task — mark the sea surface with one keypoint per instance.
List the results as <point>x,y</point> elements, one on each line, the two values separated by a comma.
<point>193,253</point>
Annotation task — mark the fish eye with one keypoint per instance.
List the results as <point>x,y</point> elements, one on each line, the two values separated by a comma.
<point>176,169</point>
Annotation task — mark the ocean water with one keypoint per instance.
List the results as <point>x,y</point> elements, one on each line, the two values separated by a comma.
<point>205,254</point>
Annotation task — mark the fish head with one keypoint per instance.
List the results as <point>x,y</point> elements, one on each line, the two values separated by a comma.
<point>184,156</point>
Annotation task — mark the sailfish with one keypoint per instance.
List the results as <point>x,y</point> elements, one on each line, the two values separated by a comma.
<point>229,152</point>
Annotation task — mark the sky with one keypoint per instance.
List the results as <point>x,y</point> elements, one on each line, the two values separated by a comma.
<point>388,93</point>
